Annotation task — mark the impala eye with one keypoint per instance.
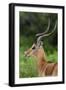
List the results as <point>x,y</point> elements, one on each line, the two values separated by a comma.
<point>33,47</point>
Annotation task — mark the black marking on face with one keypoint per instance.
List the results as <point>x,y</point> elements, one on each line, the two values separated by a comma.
<point>33,47</point>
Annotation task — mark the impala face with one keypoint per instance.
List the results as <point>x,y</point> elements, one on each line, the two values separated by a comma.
<point>35,51</point>
<point>32,51</point>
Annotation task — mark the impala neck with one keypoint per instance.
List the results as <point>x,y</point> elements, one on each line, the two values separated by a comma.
<point>41,55</point>
<point>41,59</point>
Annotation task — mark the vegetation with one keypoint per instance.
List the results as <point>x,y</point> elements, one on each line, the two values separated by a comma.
<point>30,25</point>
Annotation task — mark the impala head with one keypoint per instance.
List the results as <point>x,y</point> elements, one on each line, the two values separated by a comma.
<point>34,50</point>
<point>37,48</point>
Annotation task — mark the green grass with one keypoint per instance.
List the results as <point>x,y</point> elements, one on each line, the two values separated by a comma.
<point>28,66</point>
<point>53,57</point>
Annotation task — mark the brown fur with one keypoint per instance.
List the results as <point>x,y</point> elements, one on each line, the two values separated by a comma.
<point>44,68</point>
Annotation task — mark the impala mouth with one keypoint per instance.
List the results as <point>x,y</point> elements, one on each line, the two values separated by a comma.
<point>26,55</point>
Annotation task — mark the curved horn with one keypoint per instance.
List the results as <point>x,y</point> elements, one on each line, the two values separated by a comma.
<point>39,34</point>
<point>40,37</point>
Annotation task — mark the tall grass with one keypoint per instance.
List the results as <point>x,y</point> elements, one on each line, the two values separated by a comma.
<point>27,66</point>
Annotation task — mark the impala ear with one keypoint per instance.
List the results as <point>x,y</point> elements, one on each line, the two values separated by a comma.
<point>41,43</point>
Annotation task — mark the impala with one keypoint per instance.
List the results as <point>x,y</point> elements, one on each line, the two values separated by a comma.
<point>44,67</point>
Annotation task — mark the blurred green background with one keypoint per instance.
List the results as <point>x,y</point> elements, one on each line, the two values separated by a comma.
<point>30,24</point>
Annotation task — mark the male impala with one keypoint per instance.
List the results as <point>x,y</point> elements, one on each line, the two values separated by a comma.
<point>44,67</point>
